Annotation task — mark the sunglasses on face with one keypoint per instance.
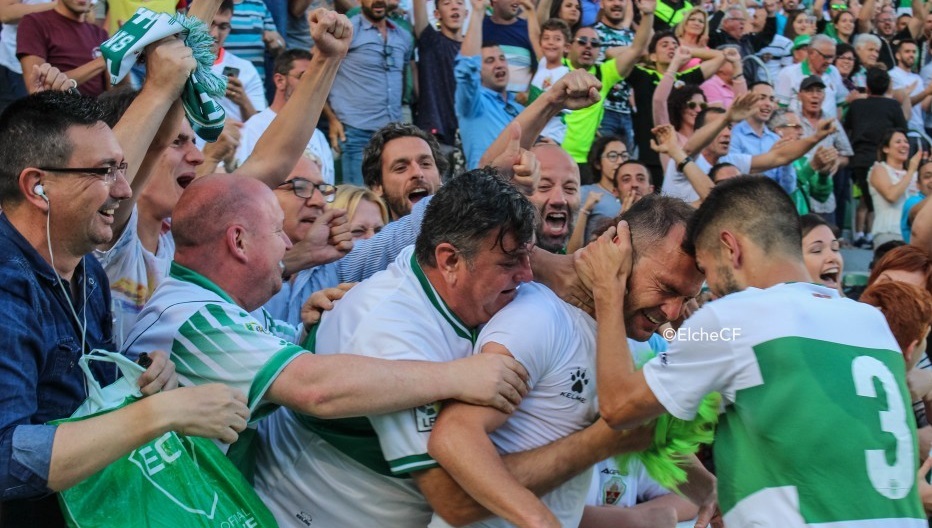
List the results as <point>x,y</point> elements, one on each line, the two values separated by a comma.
<point>790,125</point>
<point>586,41</point>
<point>838,7</point>
<point>692,105</point>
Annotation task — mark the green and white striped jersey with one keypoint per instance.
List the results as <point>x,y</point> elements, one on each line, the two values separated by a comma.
<point>818,429</point>
<point>212,339</point>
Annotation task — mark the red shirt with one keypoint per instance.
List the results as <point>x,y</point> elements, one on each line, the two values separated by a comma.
<point>63,43</point>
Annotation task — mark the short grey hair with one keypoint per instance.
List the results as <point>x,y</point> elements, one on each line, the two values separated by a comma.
<point>865,38</point>
<point>821,39</point>
<point>779,118</point>
<point>733,9</point>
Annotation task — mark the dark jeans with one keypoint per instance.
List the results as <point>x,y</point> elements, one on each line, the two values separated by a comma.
<point>11,87</point>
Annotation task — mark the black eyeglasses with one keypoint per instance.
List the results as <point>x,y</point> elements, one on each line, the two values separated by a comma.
<point>616,156</point>
<point>692,105</point>
<point>790,125</point>
<point>829,58</point>
<point>109,173</point>
<point>304,188</point>
<point>586,41</point>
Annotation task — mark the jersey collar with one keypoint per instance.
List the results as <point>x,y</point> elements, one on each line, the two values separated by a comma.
<point>458,325</point>
<point>177,271</point>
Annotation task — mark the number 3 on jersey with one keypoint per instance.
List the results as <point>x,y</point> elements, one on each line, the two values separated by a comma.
<point>892,481</point>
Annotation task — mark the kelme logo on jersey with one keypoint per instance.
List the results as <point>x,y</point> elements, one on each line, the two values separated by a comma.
<point>612,490</point>
<point>425,416</point>
<point>579,378</point>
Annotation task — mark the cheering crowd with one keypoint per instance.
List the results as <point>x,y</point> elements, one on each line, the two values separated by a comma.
<point>470,263</point>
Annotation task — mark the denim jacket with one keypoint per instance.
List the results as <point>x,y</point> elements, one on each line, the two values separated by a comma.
<point>40,379</point>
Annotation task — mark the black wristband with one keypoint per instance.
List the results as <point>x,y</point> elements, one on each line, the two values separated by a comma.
<point>682,165</point>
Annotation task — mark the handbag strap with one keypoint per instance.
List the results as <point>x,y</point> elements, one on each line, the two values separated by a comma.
<point>130,369</point>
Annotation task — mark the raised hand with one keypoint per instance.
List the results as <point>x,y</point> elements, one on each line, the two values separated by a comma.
<point>519,164</point>
<point>647,7</point>
<point>607,262</point>
<point>332,33</point>
<point>826,128</point>
<point>48,77</point>
<point>577,89</point>
<point>680,57</point>
<point>169,63</point>
<point>328,239</point>
<point>914,161</point>
<point>665,139</point>
<point>744,106</point>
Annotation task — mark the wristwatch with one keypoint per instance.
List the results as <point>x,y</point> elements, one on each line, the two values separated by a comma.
<point>682,165</point>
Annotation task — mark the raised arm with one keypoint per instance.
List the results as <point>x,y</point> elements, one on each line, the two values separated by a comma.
<point>667,144</point>
<point>865,24</point>
<point>626,60</point>
<point>665,87</point>
<point>742,108</point>
<point>11,11</point>
<point>792,150</point>
<point>286,138</point>
<point>533,27</point>
<point>420,17</point>
<point>712,65</point>
<point>891,192</point>
<point>472,42</point>
<point>918,18</point>
<point>577,89</point>
<point>152,121</point>
<point>543,11</point>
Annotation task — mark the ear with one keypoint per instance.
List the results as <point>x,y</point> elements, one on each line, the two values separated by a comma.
<point>449,261</point>
<point>28,179</point>
<point>909,352</point>
<point>377,189</point>
<point>280,81</point>
<point>236,242</point>
<point>732,248</point>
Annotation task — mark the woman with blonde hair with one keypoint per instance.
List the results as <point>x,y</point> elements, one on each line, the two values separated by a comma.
<point>693,32</point>
<point>366,212</point>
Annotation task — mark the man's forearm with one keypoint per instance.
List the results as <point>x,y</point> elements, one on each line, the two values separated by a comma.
<point>280,146</point>
<point>532,120</point>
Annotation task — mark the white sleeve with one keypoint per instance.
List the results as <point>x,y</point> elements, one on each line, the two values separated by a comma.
<point>690,369</point>
<point>252,83</point>
<point>782,89</point>
<point>534,349</point>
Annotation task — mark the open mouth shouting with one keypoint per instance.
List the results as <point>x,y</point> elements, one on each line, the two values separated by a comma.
<point>830,275</point>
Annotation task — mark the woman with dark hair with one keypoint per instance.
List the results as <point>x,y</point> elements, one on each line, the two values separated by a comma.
<point>888,180</point>
<point>799,23</point>
<point>847,63</point>
<point>605,155</point>
<point>569,11</point>
<point>821,251</point>
<point>845,26</point>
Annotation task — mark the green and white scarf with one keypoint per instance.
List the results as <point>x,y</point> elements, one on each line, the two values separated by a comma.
<point>202,91</point>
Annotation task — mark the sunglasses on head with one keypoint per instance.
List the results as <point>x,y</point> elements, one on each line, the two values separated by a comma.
<point>586,41</point>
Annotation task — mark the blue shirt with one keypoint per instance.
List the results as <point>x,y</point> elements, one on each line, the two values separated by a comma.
<point>368,86</point>
<point>40,379</point>
<point>481,112</point>
<point>745,141</point>
<point>367,258</point>
<point>904,220</point>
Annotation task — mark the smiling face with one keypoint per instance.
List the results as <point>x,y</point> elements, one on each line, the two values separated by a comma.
<point>695,24</point>
<point>868,53</point>
<point>767,105</point>
<point>845,24</point>
<point>662,280</point>
<point>409,173</point>
<point>896,150</point>
<point>556,196</point>
<point>553,44</point>
<point>886,23</point>
<point>845,63</point>
<point>822,254</point>
<point>803,25</point>
<point>82,205</point>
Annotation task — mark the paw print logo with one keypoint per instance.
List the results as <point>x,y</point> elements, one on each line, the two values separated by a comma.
<point>580,379</point>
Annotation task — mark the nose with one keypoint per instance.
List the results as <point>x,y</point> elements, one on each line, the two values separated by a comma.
<point>120,189</point>
<point>288,244</point>
<point>524,273</point>
<point>193,155</point>
<point>673,309</point>
<point>557,197</point>
<point>317,199</point>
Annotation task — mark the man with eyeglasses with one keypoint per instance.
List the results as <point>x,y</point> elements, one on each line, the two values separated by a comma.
<point>62,179</point>
<point>585,48</point>
<point>819,59</point>
<point>289,66</point>
<point>884,27</point>
<point>245,93</point>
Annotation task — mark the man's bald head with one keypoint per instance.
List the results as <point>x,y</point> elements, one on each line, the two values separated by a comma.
<point>556,196</point>
<point>210,205</point>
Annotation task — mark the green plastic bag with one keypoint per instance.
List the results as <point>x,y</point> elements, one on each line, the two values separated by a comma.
<point>174,481</point>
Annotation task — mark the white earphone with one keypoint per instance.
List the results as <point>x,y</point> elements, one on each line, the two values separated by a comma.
<point>40,191</point>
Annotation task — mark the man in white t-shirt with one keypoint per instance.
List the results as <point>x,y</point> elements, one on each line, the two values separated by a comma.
<point>902,77</point>
<point>245,93</point>
<point>559,357</point>
<point>812,346</point>
<point>290,65</point>
<point>469,259</point>
<point>818,62</point>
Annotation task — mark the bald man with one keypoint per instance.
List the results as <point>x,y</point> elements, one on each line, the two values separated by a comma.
<point>230,243</point>
<point>556,196</point>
